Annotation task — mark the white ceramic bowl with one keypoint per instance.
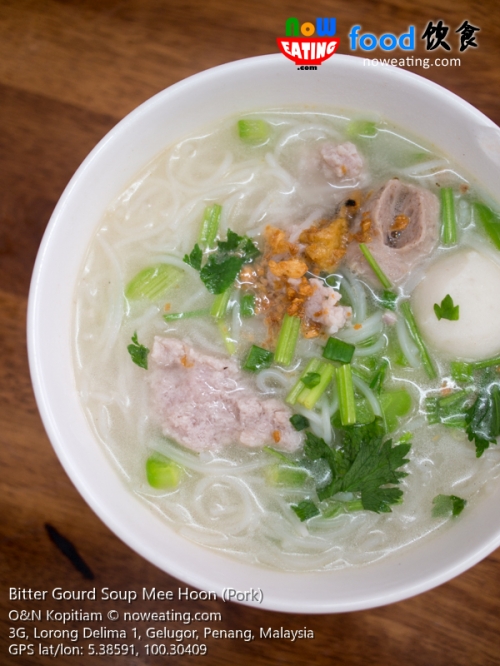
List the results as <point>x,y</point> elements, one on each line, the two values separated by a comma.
<point>413,103</point>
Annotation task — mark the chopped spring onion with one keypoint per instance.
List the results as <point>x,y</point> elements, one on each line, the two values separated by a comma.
<point>247,305</point>
<point>287,340</point>
<point>448,217</point>
<point>384,280</point>
<point>152,282</point>
<point>489,220</point>
<point>219,306</point>
<point>347,406</point>
<point>254,132</point>
<point>338,350</point>
<point>305,509</point>
<point>162,473</point>
<point>190,314</point>
<point>258,359</point>
<point>210,226</point>
<point>415,334</point>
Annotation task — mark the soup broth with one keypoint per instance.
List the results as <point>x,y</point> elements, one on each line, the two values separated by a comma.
<point>236,498</point>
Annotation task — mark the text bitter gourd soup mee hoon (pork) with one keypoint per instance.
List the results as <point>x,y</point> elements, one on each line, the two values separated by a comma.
<point>287,337</point>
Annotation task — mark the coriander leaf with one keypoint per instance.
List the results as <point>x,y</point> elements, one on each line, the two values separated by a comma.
<point>380,499</point>
<point>446,505</point>
<point>247,305</point>
<point>376,465</point>
<point>138,352</point>
<point>483,418</point>
<point>364,465</point>
<point>311,380</point>
<point>305,509</point>
<point>316,448</point>
<point>447,309</point>
<point>356,435</point>
<point>231,243</point>
<point>299,422</point>
<point>194,258</point>
<point>388,299</point>
<point>220,271</point>
<point>224,264</point>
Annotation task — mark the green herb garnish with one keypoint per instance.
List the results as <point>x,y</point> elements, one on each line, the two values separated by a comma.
<point>447,505</point>
<point>258,359</point>
<point>299,422</point>
<point>449,410</point>
<point>447,309</point>
<point>377,379</point>
<point>483,419</point>
<point>223,265</point>
<point>407,313</point>
<point>138,352</point>
<point>305,509</point>
<point>311,380</point>
<point>383,279</point>
<point>388,299</point>
<point>365,464</point>
<point>338,350</point>
<point>247,305</point>
<point>489,220</point>
<point>194,257</point>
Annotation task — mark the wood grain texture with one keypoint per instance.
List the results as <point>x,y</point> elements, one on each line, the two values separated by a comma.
<point>69,70</point>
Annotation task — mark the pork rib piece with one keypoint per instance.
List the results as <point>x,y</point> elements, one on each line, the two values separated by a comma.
<point>404,229</point>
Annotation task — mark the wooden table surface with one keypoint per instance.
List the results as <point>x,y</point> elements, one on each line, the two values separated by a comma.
<point>69,70</point>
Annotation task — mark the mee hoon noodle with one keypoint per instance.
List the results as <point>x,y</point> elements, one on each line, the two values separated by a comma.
<point>305,266</point>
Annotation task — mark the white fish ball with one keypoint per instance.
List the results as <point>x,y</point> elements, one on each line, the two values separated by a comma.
<point>473,281</point>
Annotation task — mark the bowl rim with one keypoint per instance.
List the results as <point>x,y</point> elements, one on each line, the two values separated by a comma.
<point>150,550</point>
